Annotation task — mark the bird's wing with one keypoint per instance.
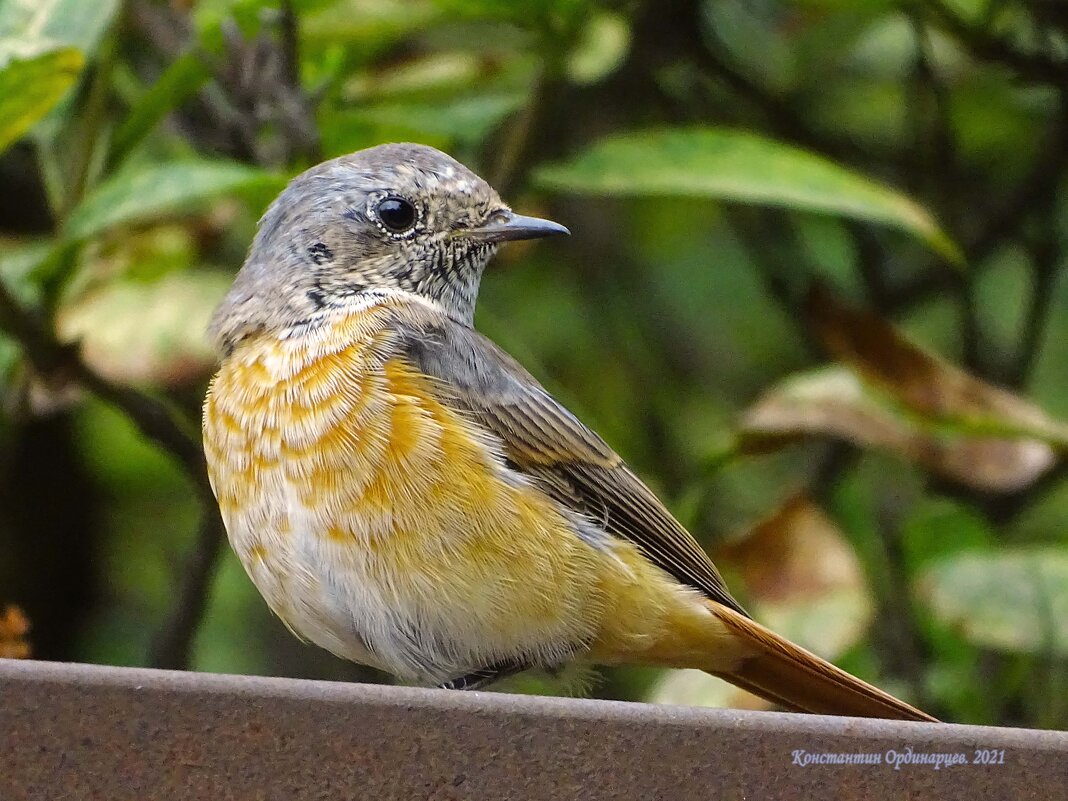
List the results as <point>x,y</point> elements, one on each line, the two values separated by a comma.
<point>547,442</point>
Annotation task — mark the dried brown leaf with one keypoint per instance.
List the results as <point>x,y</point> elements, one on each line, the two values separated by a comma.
<point>835,402</point>
<point>14,626</point>
<point>803,580</point>
<point>803,577</point>
<point>921,380</point>
<point>896,395</point>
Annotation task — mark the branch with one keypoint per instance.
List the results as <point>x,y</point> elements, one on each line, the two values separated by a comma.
<point>1046,259</point>
<point>932,126</point>
<point>172,643</point>
<point>510,154</point>
<point>59,364</point>
<point>255,89</point>
<point>255,83</point>
<point>984,45</point>
<point>775,260</point>
<point>871,264</point>
<point>1002,223</point>
<point>780,111</point>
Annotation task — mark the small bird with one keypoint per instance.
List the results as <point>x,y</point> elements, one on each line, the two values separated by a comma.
<point>405,495</point>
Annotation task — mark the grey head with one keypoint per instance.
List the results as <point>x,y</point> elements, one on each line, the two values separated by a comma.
<point>394,217</point>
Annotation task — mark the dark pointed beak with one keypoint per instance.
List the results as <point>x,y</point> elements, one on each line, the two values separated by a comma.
<point>508,226</point>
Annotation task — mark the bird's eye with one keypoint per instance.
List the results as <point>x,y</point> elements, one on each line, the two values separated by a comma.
<point>397,214</point>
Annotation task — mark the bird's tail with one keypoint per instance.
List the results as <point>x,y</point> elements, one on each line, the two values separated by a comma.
<point>790,676</point>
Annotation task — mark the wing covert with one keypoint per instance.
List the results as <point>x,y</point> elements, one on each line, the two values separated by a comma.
<point>567,459</point>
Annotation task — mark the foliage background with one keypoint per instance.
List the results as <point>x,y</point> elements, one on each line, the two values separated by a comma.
<point>781,212</point>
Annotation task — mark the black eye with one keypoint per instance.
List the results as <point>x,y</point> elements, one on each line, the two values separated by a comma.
<point>397,214</point>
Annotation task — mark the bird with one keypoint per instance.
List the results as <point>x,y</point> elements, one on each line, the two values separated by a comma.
<point>405,495</point>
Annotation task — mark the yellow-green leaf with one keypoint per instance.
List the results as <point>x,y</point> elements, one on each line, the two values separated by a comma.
<point>1013,601</point>
<point>148,194</point>
<point>147,332</point>
<point>744,167</point>
<point>460,122</point>
<point>31,85</point>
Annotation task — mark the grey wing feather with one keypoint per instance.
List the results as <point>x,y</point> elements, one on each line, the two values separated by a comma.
<point>568,460</point>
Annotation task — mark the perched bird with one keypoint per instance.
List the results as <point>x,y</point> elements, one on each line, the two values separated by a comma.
<point>404,494</point>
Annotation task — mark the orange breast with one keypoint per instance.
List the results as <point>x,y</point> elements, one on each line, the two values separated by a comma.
<point>381,524</point>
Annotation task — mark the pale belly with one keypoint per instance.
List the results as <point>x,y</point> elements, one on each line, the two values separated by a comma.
<point>382,526</point>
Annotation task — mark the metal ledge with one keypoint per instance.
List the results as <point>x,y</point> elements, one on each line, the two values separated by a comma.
<point>81,731</point>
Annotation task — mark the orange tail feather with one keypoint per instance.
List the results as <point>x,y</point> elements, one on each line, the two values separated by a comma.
<point>790,676</point>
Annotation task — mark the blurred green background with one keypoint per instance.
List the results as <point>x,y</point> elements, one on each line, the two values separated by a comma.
<point>814,294</point>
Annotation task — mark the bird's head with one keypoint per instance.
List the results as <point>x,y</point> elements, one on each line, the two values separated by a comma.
<point>398,217</point>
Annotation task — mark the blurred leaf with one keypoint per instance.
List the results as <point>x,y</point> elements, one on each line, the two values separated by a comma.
<point>872,111</point>
<point>137,256</point>
<point>30,87</point>
<point>529,13</point>
<point>367,26</point>
<point>697,688</point>
<point>10,361</point>
<point>926,384</point>
<point>803,578</point>
<point>740,166</point>
<point>180,81</point>
<point>1012,601</point>
<point>155,333</point>
<point>150,193</point>
<point>425,78</point>
<point>78,23</point>
<point>463,122</point>
<point>18,263</point>
<point>887,50</point>
<point>835,402</point>
<point>601,49</point>
<point>911,403</point>
<point>751,36</point>
<point>937,527</point>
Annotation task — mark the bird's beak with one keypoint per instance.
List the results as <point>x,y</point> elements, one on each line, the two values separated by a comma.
<point>507,226</point>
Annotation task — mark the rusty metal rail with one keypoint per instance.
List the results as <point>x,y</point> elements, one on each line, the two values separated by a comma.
<point>81,732</point>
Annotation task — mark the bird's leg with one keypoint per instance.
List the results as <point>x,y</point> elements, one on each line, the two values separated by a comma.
<point>477,679</point>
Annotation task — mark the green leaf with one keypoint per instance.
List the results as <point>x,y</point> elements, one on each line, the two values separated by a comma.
<point>744,167</point>
<point>78,23</point>
<point>30,86</point>
<point>10,358</point>
<point>145,194</point>
<point>464,122</point>
<point>937,528</point>
<point>181,80</point>
<point>529,13</point>
<point>366,26</point>
<point>1012,601</point>
<point>603,45</point>
<point>25,266</point>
